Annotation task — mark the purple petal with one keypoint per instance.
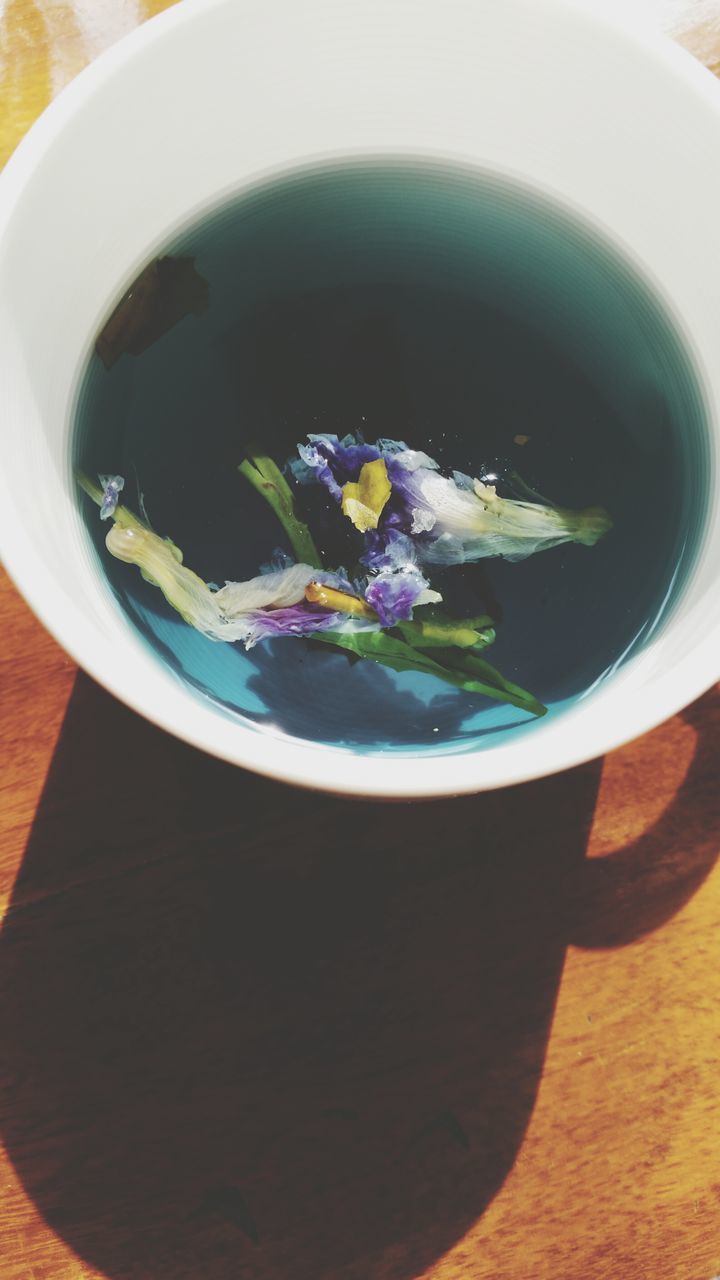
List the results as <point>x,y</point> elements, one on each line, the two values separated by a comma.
<point>297,620</point>
<point>388,548</point>
<point>111,486</point>
<point>331,461</point>
<point>406,498</point>
<point>392,595</point>
<point>376,549</point>
<point>346,456</point>
<point>312,466</point>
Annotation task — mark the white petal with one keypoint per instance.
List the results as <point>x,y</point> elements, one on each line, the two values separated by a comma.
<point>423,520</point>
<point>456,510</point>
<point>270,590</point>
<point>427,597</point>
<point>447,550</point>
<point>414,459</point>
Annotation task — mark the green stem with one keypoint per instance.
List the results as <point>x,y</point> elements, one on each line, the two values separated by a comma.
<point>447,634</point>
<point>267,478</point>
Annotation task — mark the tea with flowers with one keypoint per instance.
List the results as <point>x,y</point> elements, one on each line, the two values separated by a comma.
<point>391,455</point>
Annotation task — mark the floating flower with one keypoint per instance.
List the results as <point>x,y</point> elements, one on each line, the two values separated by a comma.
<point>111,486</point>
<point>272,604</point>
<point>450,520</point>
<point>287,599</point>
<point>461,519</point>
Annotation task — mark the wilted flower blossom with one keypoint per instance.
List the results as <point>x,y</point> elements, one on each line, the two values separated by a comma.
<point>286,599</point>
<point>448,520</point>
<point>272,604</point>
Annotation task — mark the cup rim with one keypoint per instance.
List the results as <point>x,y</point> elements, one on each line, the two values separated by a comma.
<point>391,776</point>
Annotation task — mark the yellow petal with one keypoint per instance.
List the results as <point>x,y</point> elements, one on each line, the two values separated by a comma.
<point>363,502</point>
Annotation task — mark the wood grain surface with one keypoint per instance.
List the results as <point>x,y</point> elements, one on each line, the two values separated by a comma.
<point>248,1032</point>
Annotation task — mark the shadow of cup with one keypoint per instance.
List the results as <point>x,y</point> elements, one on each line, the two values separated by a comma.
<point>250,1030</point>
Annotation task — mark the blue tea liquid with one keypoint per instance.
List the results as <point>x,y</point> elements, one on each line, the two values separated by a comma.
<point>471,318</point>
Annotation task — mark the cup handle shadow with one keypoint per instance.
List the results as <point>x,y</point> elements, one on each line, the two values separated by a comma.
<point>616,899</point>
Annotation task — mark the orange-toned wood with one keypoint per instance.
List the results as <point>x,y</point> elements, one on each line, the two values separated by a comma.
<point>250,1032</point>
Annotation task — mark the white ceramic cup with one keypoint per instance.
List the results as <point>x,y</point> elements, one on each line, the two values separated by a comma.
<point>217,94</point>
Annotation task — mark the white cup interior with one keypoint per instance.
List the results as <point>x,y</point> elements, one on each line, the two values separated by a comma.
<point>214,96</point>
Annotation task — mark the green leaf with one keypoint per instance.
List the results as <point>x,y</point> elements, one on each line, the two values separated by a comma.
<point>471,665</point>
<point>378,646</point>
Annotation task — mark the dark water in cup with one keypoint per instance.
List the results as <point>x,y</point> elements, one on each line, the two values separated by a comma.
<point>462,314</point>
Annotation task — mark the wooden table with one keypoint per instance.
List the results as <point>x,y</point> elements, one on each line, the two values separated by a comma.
<point>251,1032</point>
